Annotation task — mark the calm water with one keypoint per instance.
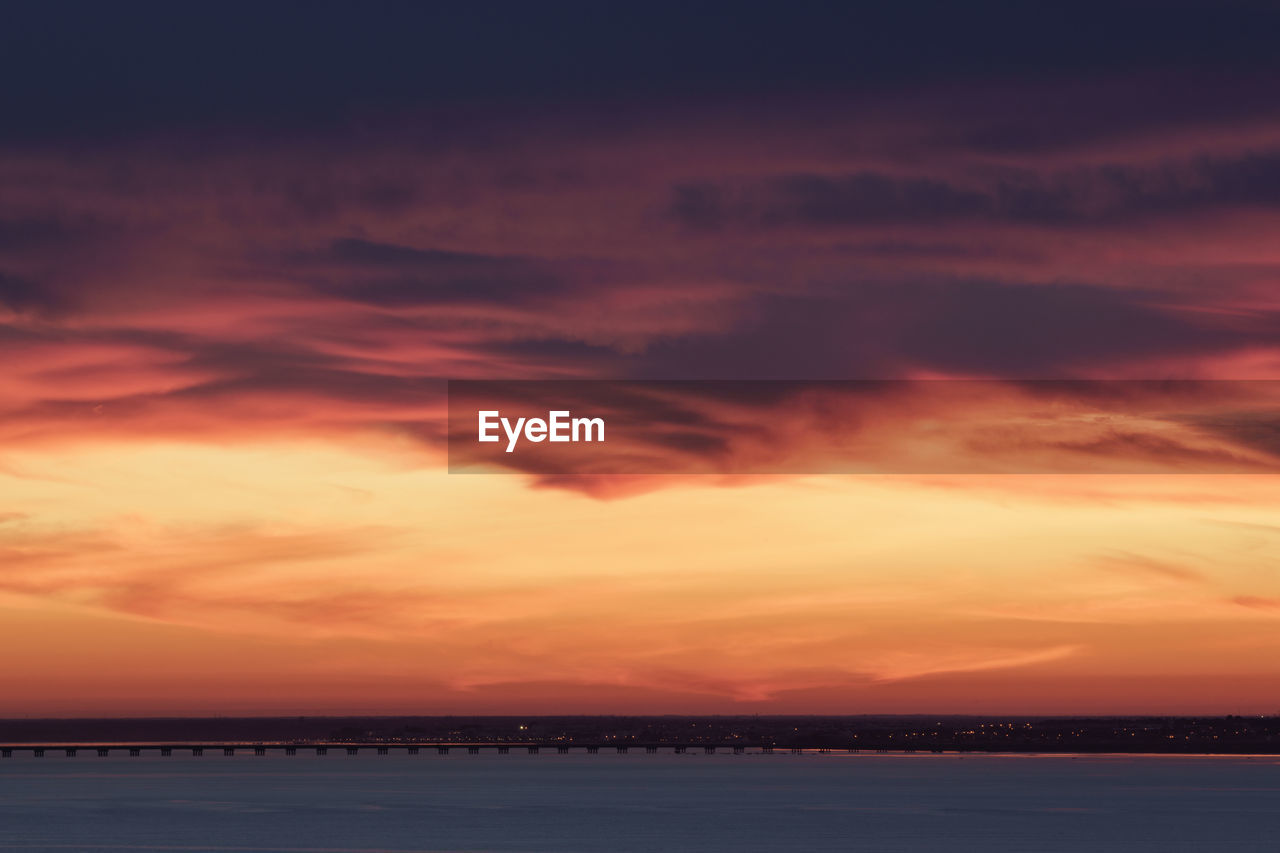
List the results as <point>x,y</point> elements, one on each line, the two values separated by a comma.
<point>639,802</point>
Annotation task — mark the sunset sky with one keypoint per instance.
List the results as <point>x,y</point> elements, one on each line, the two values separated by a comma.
<point>242,250</point>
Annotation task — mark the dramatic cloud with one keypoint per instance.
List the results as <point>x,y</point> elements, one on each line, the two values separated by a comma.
<point>226,343</point>
<point>183,286</point>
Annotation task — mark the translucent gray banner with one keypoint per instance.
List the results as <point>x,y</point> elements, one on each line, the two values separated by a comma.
<point>633,427</point>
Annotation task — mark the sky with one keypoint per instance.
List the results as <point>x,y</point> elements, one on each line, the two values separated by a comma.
<point>242,250</point>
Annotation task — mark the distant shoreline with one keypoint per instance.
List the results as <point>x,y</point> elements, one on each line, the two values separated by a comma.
<point>1122,735</point>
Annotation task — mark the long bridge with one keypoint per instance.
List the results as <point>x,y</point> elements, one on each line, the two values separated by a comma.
<point>71,750</point>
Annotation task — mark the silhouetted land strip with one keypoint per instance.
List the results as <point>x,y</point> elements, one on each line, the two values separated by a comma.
<point>1230,735</point>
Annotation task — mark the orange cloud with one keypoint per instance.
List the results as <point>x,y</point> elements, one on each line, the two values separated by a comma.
<point>222,413</point>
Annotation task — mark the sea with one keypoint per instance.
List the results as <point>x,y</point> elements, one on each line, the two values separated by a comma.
<point>640,803</point>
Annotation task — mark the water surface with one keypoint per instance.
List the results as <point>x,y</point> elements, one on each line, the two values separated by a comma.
<point>638,802</point>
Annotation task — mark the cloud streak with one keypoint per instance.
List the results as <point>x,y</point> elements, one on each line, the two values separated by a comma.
<point>223,413</point>
<point>154,277</point>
